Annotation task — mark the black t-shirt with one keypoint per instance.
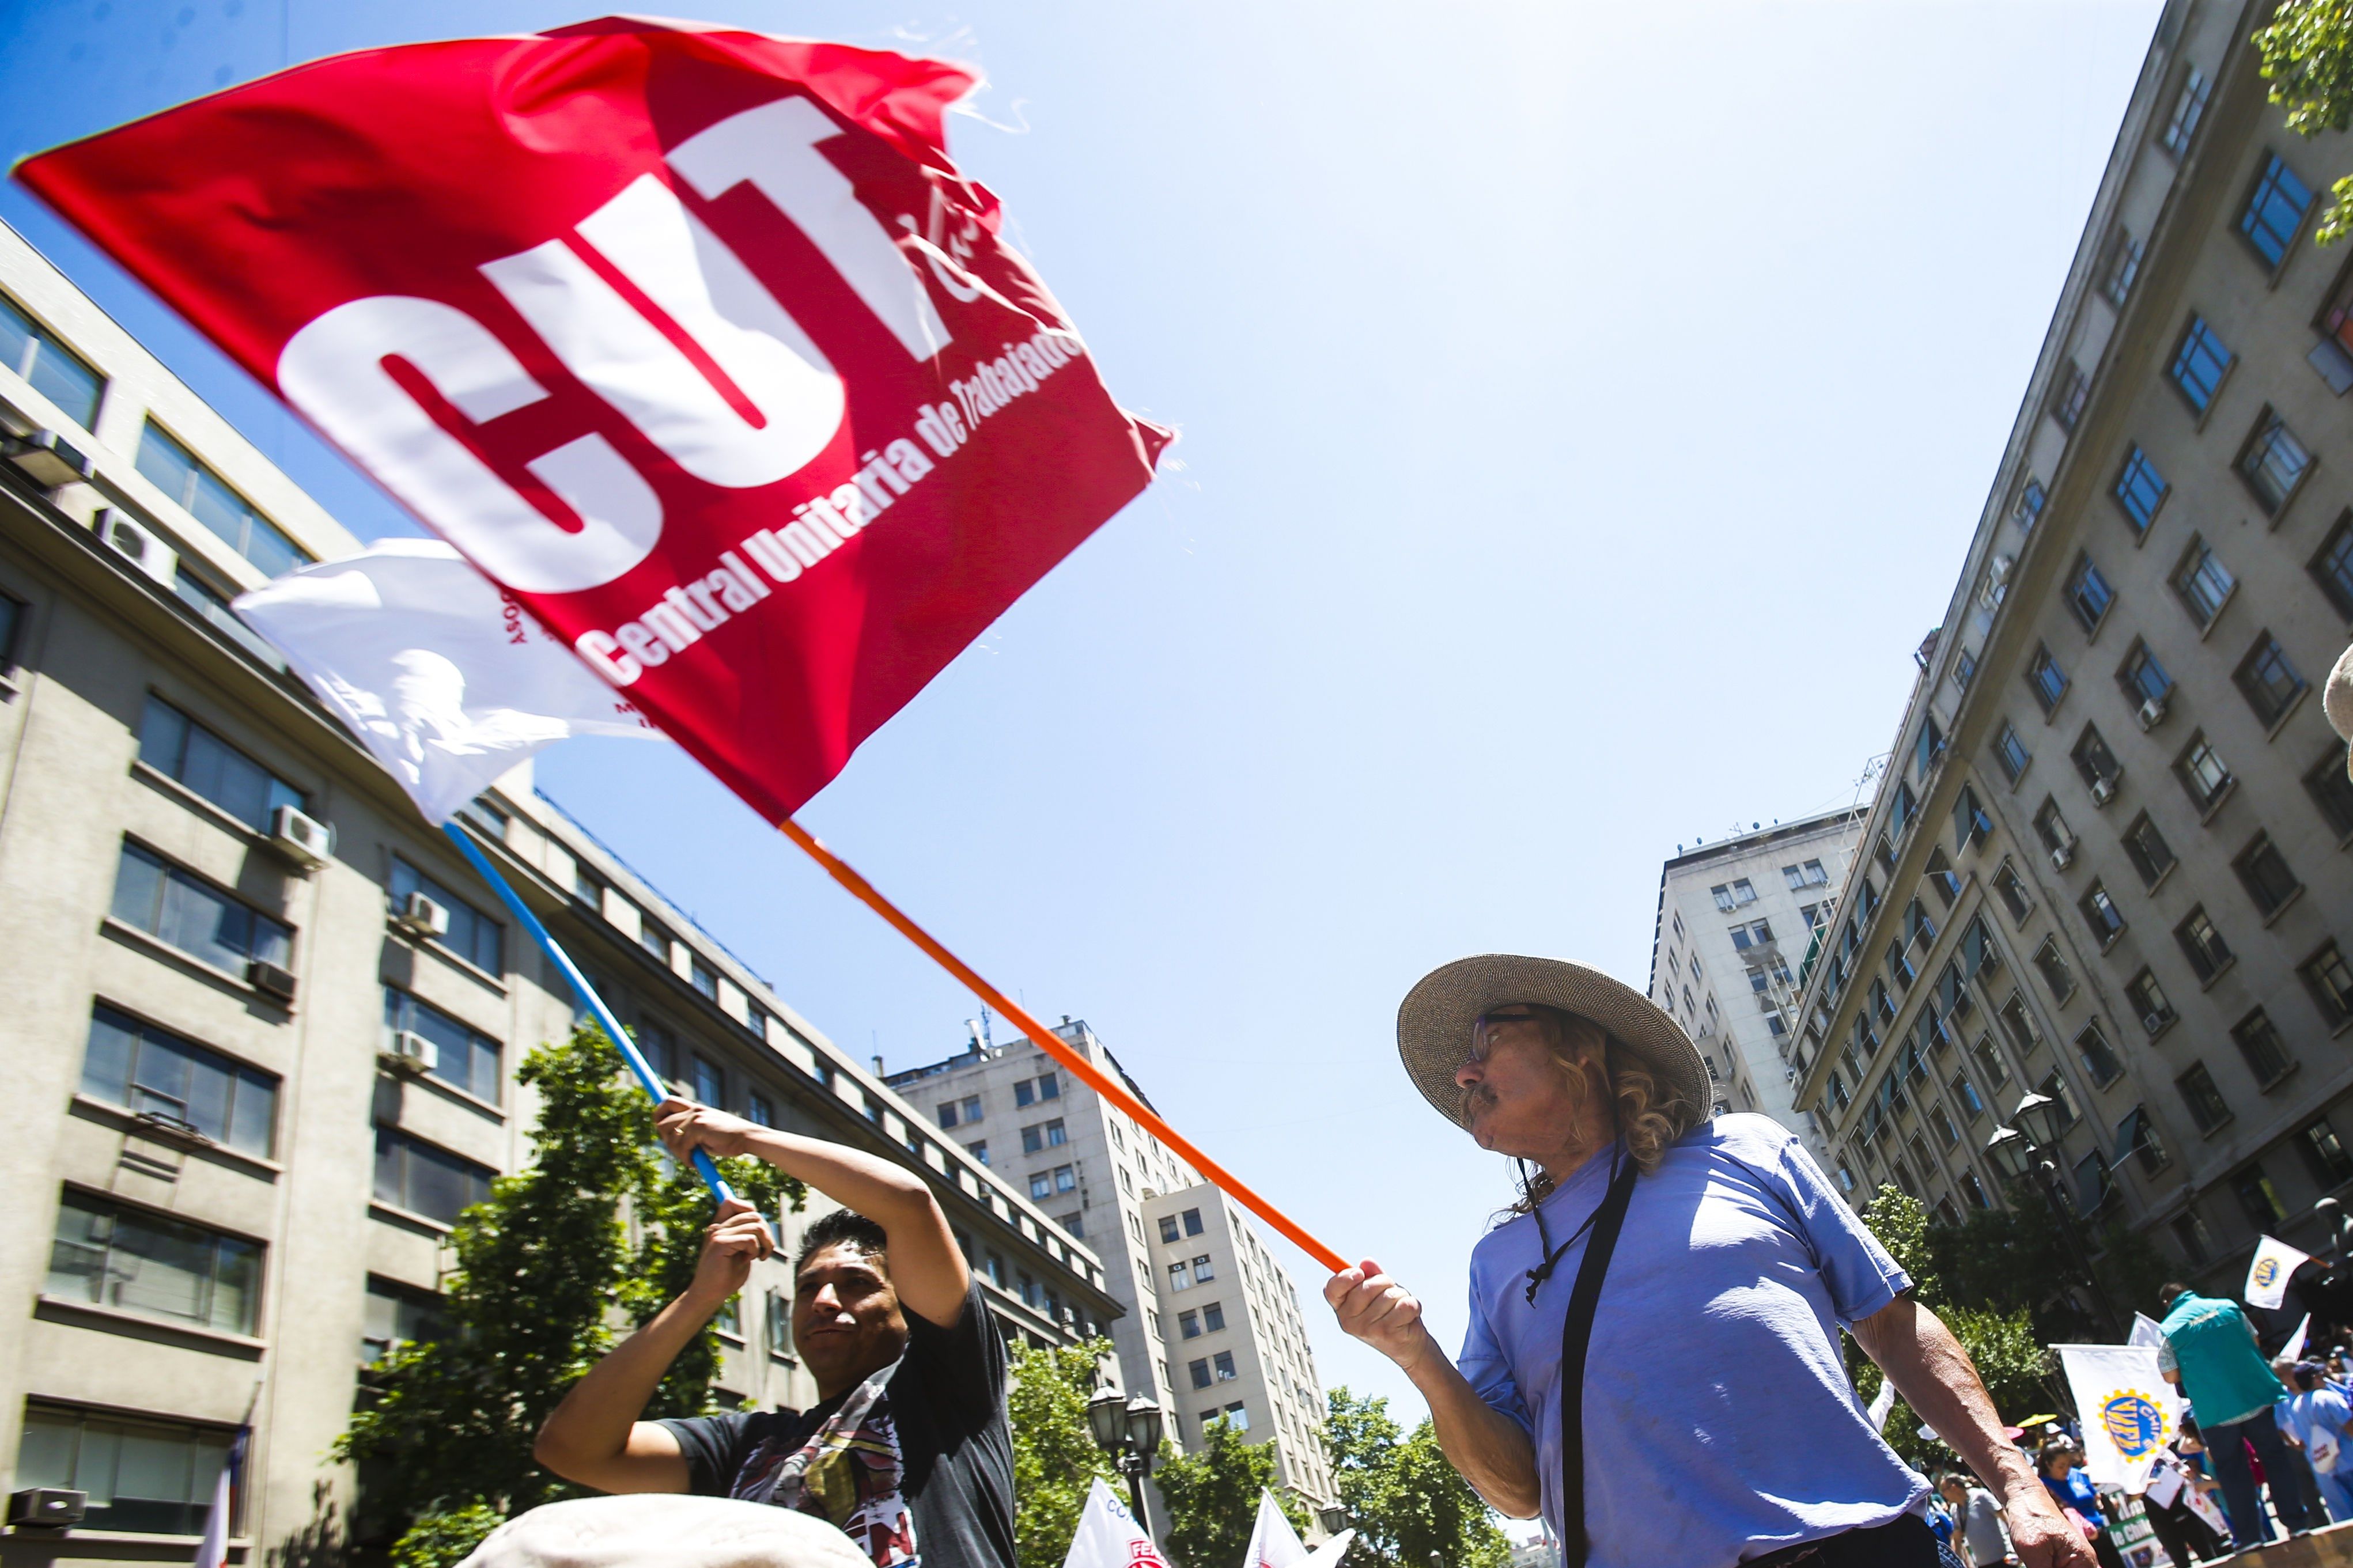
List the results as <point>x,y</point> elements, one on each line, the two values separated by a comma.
<point>932,1450</point>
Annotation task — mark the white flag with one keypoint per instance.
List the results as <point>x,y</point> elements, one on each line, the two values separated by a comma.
<point>2267,1275</point>
<point>1881,1403</point>
<point>2146,1332</point>
<point>2126,1409</point>
<point>1275,1545</point>
<point>2294,1346</point>
<point>1109,1535</point>
<point>444,677</point>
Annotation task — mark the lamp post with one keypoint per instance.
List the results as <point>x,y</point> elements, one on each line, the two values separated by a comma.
<point>1128,1430</point>
<point>1332,1518</point>
<point>2024,1150</point>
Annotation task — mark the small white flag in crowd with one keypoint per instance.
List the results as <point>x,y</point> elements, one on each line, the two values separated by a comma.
<point>1109,1535</point>
<point>2128,1411</point>
<point>446,679</point>
<point>2268,1275</point>
<point>1881,1403</point>
<point>2145,1330</point>
<point>1275,1545</point>
<point>2294,1346</point>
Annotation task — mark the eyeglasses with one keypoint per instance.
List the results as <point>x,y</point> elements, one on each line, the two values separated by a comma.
<point>1487,1026</point>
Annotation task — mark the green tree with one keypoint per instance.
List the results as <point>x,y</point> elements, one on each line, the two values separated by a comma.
<point>444,1434</point>
<point>2307,51</point>
<point>1405,1499</point>
<point>1055,1459</point>
<point>1212,1497</point>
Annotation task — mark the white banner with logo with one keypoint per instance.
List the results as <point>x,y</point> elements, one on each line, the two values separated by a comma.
<point>2126,1409</point>
<point>2267,1275</point>
<point>1109,1535</point>
<point>1275,1545</point>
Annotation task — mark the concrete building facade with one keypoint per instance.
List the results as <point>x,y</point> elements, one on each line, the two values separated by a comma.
<point>2108,859</point>
<point>1734,920</point>
<point>235,1191</point>
<point>1210,1324</point>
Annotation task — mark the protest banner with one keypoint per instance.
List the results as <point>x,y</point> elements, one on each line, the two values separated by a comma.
<point>2128,1412</point>
<point>1109,1536</point>
<point>1275,1545</point>
<point>2268,1272</point>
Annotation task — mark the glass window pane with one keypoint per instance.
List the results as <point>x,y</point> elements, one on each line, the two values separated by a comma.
<point>66,382</point>
<point>253,1114</point>
<point>167,464</point>
<point>138,888</point>
<point>106,1064</point>
<point>46,1456</point>
<point>156,1265</point>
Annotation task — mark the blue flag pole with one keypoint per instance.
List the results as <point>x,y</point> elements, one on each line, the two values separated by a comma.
<point>587,993</point>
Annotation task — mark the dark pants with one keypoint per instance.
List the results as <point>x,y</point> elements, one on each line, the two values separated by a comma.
<point>2185,1537</point>
<point>2226,1451</point>
<point>1905,1542</point>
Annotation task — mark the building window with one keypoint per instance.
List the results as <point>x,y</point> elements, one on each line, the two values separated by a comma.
<point>2258,1198</point>
<point>472,936</point>
<point>1033,1139</point>
<point>396,1315</point>
<point>151,1478</point>
<point>56,373</point>
<point>1193,1223</point>
<point>2332,567</point>
<point>2331,985</point>
<point>2137,1133</point>
<point>1223,1364</point>
<point>1066,1178</point>
<point>2190,1234</point>
<point>2145,681</point>
<point>702,977</point>
<point>653,939</point>
<point>2088,594</point>
<point>463,1058</point>
<point>2264,872</point>
<point>113,1255</point>
<point>2267,680</point>
<point>413,1174</point>
<point>1056,1134</point>
<point>2100,912</point>
<point>1721,892</point>
<point>185,750</point>
<point>2139,489</point>
<point>2331,790</point>
<point>2051,964</point>
<point>2148,1002</point>
<point>2203,1099</point>
<point>777,1318</point>
<point>2181,126</point>
<point>2202,773</point>
<point>195,917</point>
<point>2204,945</point>
<point>1073,1225</point>
<point>2095,764</point>
<point>1168,1228</point>
<point>1199,1372</point>
<point>150,1072</point>
<point>979,1150</point>
<point>1965,1095</point>
<point>2146,847</point>
<point>2050,827</point>
<point>759,1109</point>
<point>1188,1325</point>
<point>2099,1061</point>
<point>2069,392</point>
<point>2010,753</point>
<point>183,478</point>
<point>1965,669</point>
<point>2027,511</point>
<point>2013,892</point>
<point>2276,210</point>
<point>2020,1027</point>
<point>2199,364</point>
<point>2325,1155</point>
<point>2119,265</point>
<point>2203,583</point>
<point>2274,462</point>
<point>1213,1316</point>
<point>955,1112</point>
<point>2045,678</point>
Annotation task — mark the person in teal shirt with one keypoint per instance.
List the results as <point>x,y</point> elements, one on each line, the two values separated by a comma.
<point>2209,1350</point>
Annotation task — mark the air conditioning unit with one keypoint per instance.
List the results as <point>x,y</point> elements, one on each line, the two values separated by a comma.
<point>2152,713</point>
<point>2153,1022</point>
<point>47,1507</point>
<point>2103,790</point>
<point>47,458</point>
<point>420,917</point>
<point>2063,855</point>
<point>270,979</point>
<point>305,840</point>
<point>146,550</point>
<point>411,1052</point>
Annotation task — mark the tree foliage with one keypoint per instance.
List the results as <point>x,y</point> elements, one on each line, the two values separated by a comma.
<point>1055,1459</point>
<point>2307,51</point>
<point>541,1269</point>
<point>1405,1499</point>
<point>1213,1496</point>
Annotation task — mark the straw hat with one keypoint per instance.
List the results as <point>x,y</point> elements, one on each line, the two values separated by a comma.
<point>1435,1018</point>
<point>668,1530</point>
<point>2337,702</point>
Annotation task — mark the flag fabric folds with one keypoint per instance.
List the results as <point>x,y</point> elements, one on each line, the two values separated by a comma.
<point>2128,1411</point>
<point>212,1551</point>
<point>1109,1535</point>
<point>2145,1330</point>
<point>437,670</point>
<point>2275,1263</point>
<point>693,339</point>
<point>1273,1543</point>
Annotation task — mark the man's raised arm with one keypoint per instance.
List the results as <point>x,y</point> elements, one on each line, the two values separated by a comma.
<point>926,1266</point>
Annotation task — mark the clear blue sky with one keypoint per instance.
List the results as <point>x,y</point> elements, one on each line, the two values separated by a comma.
<point>1585,410</point>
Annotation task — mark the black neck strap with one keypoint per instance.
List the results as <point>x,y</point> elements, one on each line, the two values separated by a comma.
<point>1576,1334</point>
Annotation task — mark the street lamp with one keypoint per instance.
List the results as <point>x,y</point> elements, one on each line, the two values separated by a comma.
<point>1129,1430</point>
<point>1333,1517</point>
<point>2024,1150</point>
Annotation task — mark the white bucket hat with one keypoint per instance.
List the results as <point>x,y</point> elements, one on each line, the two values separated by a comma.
<point>665,1530</point>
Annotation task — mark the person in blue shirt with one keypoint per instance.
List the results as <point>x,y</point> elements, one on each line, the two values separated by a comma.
<point>2314,1418</point>
<point>1653,1361</point>
<point>2063,1476</point>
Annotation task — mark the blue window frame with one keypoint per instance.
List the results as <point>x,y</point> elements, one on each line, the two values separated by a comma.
<point>2140,488</point>
<point>2088,594</point>
<point>148,1071</point>
<point>2048,680</point>
<point>2275,211</point>
<point>2198,364</point>
<point>473,935</point>
<point>177,472</point>
<point>2031,501</point>
<point>56,373</point>
<point>182,749</point>
<point>465,1057</point>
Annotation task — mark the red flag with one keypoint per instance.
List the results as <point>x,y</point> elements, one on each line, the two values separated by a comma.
<point>694,339</point>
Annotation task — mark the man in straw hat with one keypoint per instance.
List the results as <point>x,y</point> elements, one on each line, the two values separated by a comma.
<point>1653,1357</point>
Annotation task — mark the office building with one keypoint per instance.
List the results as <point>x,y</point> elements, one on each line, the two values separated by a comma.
<point>1734,922</point>
<point>1210,1324</point>
<point>2108,861</point>
<point>265,1021</point>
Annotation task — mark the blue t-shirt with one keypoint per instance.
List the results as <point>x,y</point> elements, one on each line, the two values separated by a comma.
<point>2075,1490</point>
<point>1719,1423</point>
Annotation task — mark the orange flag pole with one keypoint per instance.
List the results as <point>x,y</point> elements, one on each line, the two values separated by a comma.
<point>1093,1077</point>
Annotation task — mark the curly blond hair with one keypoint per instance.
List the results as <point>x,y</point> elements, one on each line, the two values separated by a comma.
<point>1646,1122</point>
